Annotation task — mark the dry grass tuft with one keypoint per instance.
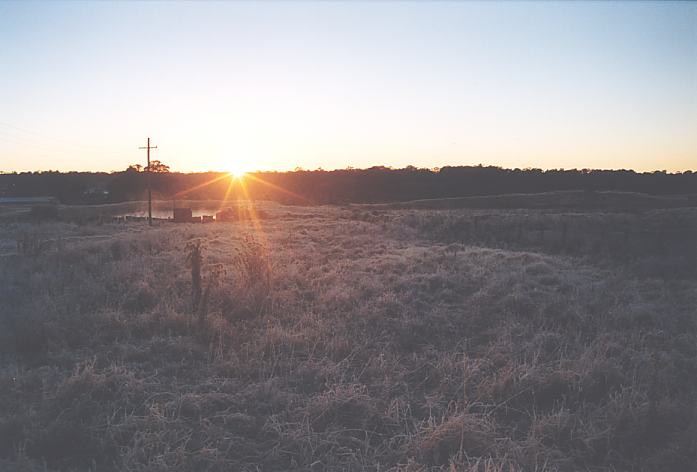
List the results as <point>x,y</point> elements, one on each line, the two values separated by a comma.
<point>460,436</point>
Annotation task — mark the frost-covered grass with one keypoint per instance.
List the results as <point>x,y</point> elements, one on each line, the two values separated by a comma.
<point>352,339</point>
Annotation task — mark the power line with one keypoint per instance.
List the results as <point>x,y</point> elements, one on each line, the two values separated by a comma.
<point>149,171</point>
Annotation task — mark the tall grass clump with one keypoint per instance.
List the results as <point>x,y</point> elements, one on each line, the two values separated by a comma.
<point>195,258</point>
<point>253,291</point>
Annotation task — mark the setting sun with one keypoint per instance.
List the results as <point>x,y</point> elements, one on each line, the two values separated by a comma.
<point>236,172</point>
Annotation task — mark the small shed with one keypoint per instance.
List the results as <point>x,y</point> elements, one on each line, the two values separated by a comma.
<point>182,215</point>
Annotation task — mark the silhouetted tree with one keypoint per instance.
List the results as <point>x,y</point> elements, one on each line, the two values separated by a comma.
<point>157,167</point>
<point>376,184</point>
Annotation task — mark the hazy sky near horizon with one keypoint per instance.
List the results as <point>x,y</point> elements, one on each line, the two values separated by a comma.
<point>267,85</point>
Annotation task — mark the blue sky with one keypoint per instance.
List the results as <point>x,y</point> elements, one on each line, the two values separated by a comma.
<point>228,85</point>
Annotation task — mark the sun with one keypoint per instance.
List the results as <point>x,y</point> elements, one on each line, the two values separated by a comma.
<point>236,172</point>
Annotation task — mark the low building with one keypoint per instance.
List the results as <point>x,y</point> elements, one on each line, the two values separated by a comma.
<point>182,215</point>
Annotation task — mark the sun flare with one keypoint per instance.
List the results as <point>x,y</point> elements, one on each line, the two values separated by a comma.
<point>236,172</point>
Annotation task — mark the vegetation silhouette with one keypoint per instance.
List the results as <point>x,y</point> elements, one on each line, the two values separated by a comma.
<point>372,185</point>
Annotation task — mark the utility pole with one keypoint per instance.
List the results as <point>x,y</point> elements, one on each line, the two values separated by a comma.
<point>149,171</point>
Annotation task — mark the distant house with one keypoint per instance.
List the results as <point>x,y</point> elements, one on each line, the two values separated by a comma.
<point>183,215</point>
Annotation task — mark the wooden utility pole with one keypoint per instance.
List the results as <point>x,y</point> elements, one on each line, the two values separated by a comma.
<point>149,171</point>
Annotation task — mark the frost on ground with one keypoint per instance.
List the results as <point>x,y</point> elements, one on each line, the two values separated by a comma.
<point>332,338</point>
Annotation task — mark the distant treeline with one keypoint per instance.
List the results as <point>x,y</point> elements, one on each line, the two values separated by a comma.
<point>376,184</point>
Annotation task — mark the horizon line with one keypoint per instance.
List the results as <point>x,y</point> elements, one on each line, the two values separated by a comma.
<point>434,169</point>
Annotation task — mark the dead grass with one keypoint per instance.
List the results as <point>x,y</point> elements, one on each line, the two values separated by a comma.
<point>350,340</point>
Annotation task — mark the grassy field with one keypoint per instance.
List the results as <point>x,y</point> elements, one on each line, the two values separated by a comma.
<point>352,338</point>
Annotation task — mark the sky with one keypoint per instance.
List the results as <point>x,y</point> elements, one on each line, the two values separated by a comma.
<point>275,86</point>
